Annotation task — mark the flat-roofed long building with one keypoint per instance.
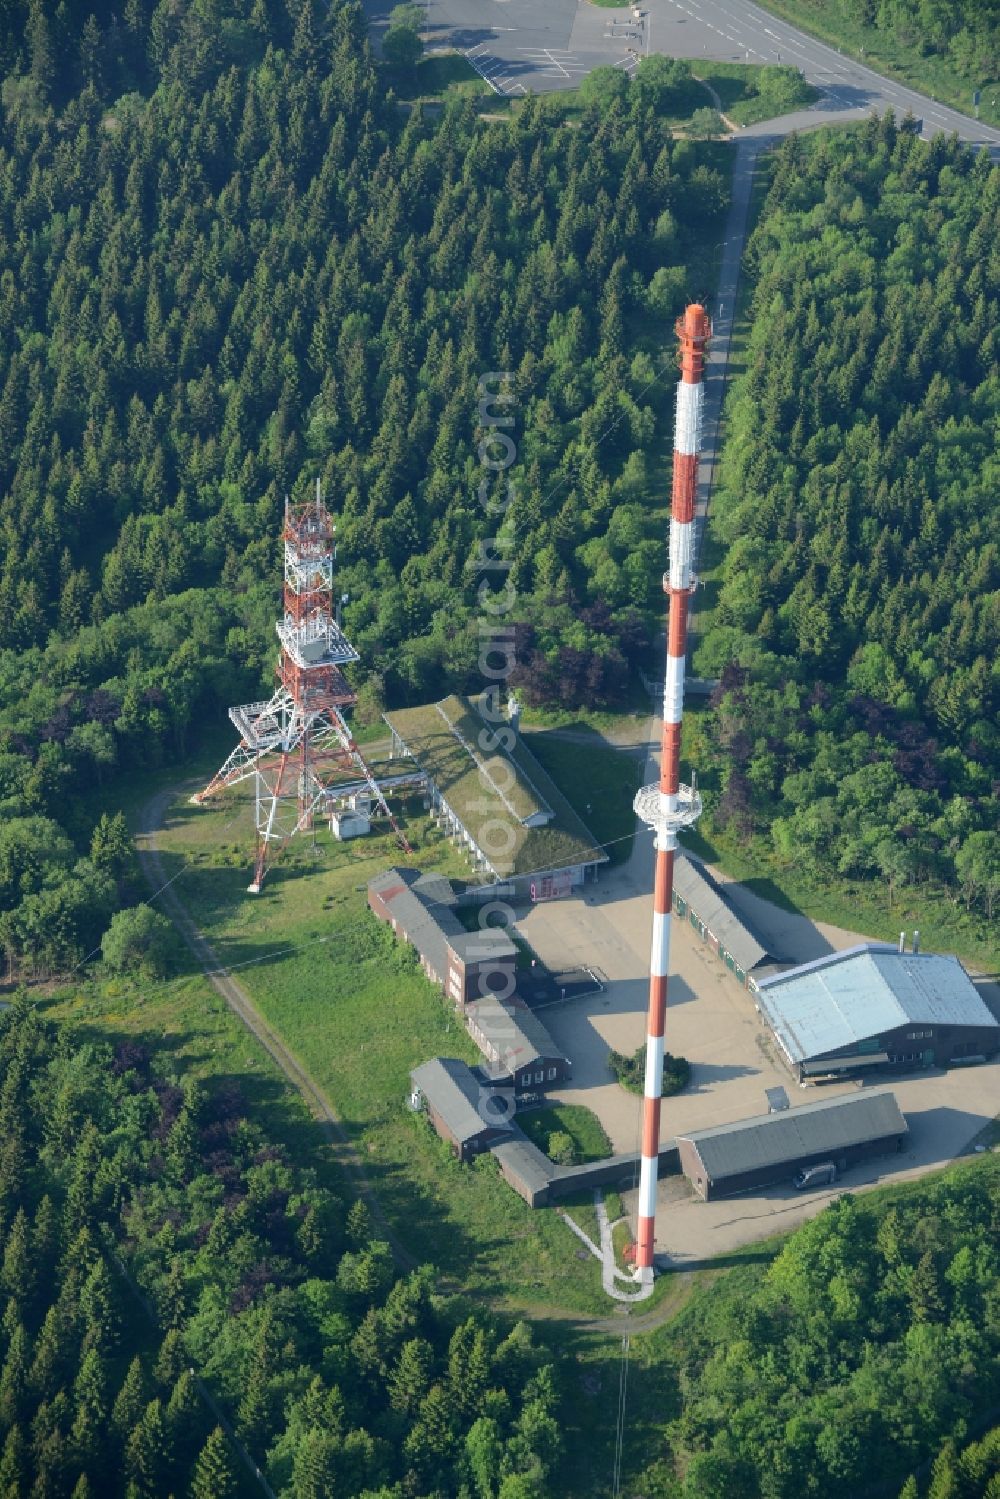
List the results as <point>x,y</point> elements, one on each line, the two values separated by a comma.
<point>491,793</point>
<point>875,1008</point>
<point>770,1148</point>
<point>703,901</point>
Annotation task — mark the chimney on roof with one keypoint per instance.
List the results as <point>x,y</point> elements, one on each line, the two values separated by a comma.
<point>902,942</point>
<point>916,941</point>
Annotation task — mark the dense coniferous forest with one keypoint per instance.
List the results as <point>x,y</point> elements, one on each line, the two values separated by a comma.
<point>871,1338</point>
<point>231,263</point>
<point>856,626</point>
<point>117,1182</point>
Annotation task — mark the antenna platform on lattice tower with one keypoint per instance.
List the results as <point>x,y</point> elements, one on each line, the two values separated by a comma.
<point>294,743</point>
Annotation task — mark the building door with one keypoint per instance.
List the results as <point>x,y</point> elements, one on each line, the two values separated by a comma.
<point>928,1059</point>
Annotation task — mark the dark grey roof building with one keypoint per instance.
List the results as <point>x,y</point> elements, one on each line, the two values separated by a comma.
<point>422,910</point>
<point>468,1115</point>
<point>771,1147</point>
<point>516,1045</point>
<point>703,901</point>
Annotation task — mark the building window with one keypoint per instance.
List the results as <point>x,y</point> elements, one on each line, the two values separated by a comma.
<point>552,1073</point>
<point>540,1077</point>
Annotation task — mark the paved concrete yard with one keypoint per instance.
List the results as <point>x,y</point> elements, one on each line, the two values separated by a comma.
<point>712,1021</point>
<point>944,1111</point>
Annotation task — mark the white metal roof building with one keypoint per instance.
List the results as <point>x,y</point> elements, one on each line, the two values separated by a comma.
<point>874,1006</point>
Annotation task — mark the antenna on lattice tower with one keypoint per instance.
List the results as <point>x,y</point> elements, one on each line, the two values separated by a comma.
<point>666,806</point>
<point>294,743</point>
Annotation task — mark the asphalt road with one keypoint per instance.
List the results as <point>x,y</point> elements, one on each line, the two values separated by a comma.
<point>523,46</point>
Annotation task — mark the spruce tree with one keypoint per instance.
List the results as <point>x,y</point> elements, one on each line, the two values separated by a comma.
<point>359,1224</point>
<point>45,1239</point>
<point>129,1402</point>
<point>411,1378</point>
<point>90,1394</point>
<point>17,1275</point>
<point>926,1301</point>
<point>98,1309</point>
<point>214,1476</point>
<point>13,1463</point>
<point>314,1466</point>
<point>14,1379</point>
<point>146,1451</point>
<point>171,1361</point>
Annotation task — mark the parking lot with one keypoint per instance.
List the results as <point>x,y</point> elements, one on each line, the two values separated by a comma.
<point>522,47</point>
<point>541,46</point>
<point>712,1021</point>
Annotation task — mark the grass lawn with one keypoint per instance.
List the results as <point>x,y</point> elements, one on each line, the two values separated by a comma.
<point>622,1239</point>
<point>581,1124</point>
<point>750,92</point>
<point>887,53</point>
<point>599,783</point>
<point>356,1009</point>
<point>580,1207</point>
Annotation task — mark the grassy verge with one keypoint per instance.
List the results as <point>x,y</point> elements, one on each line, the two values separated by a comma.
<point>621,1238</point>
<point>749,92</point>
<point>887,53</point>
<point>598,782</point>
<point>590,1143</point>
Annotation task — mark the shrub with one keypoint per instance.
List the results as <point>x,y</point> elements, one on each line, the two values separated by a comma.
<point>139,940</point>
<point>561,1148</point>
<point>631,1071</point>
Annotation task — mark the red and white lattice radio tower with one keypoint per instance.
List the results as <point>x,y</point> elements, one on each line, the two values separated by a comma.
<point>667,806</point>
<point>293,744</point>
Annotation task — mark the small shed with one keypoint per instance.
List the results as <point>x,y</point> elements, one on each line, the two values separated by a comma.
<point>345,823</point>
<point>770,1148</point>
<point>470,1116</point>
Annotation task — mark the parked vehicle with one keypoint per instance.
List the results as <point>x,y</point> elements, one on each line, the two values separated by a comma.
<point>815,1176</point>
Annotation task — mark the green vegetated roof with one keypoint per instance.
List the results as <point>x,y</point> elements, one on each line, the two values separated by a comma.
<point>494,793</point>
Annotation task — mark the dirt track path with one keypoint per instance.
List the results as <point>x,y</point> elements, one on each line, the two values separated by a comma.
<point>239,1001</point>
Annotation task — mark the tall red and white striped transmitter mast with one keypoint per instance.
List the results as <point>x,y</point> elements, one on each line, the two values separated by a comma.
<point>667,806</point>
<point>294,743</point>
